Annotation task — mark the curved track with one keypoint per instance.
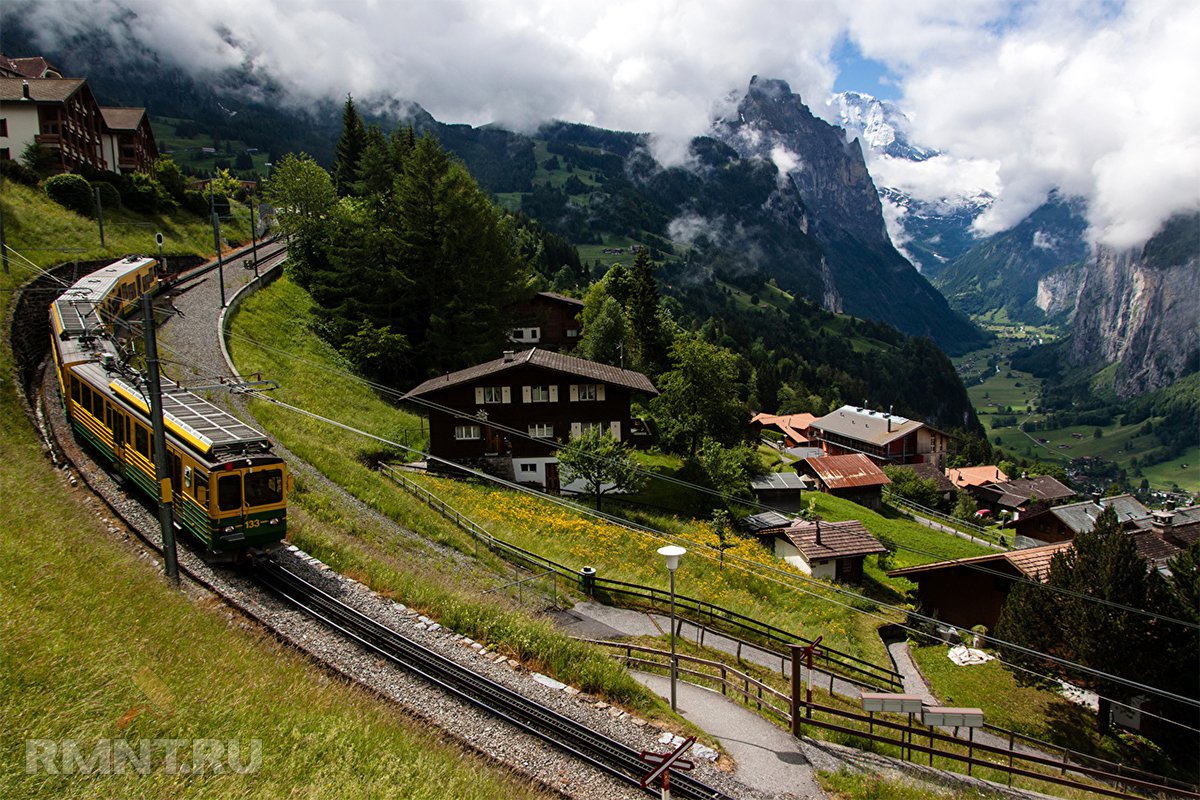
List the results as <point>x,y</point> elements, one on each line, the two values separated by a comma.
<point>607,755</point>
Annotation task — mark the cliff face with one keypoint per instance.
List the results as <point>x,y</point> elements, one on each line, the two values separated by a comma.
<point>1139,309</point>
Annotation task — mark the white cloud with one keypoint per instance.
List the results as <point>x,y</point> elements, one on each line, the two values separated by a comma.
<point>1028,95</point>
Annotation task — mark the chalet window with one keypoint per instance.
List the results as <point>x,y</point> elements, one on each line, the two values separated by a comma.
<point>580,428</point>
<point>583,392</point>
<point>493,394</point>
<point>539,394</point>
<point>572,333</point>
<point>466,432</point>
<point>529,468</point>
<point>3,126</point>
<point>542,430</point>
<point>527,334</point>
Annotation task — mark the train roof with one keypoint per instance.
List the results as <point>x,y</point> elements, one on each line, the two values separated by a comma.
<point>214,432</point>
<point>76,307</point>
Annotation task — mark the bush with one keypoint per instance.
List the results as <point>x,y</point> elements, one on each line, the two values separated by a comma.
<point>72,192</point>
<point>110,197</point>
<point>13,170</point>
<point>143,194</point>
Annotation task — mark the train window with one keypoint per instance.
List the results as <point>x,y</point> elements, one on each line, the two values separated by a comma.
<point>263,488</point>
<point>187,477</point>
<point>75,389</point>
<point>141,440</point>
<point>229,492</point>
<point>202,487</point>
<point>87,397</point>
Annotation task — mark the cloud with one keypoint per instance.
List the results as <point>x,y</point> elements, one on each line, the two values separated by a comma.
<point>1025,96</point>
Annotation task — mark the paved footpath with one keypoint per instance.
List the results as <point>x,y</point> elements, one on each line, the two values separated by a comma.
<point>769,759</point>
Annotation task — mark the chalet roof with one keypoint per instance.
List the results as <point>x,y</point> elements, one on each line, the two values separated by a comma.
<point>29,67</point>
<point>560,298</point>
<point>792,425</point>
<point>555,362</point>
<point>875,428</point>
<point>976,476</point>
<point>766,521</point>
<point>41,90</point>
<point>119,118</point>
<point>1016,493</point>
<point>1080,517</point>
<point>820,541</point>
<point>1032,562</point>
<point>845,472</point>
<point>929,472</point>
<point>1156,550</point>
<point>775,481</point>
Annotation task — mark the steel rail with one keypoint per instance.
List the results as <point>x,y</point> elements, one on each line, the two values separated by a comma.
<point>569,735</point>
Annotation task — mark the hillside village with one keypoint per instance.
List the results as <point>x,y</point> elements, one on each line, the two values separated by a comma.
<point>606,390</point>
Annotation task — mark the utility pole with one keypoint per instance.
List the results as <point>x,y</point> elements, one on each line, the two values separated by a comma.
<point>100,215</point>
<point>253,236</point>
<point>216,223</point>
<point>3,243</point>
<point>161,470</point>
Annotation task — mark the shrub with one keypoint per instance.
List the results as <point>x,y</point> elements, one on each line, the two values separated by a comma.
<point>143,194</point>
<point>110,197</point>
<point>14,170</point>
<point>72,192</point>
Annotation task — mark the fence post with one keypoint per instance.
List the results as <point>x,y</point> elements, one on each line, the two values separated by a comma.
<point>797,687</point>
<point>724,679</point>
<point>1011,735</point>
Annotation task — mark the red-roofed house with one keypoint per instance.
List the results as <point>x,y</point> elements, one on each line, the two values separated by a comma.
<point>794,427</point>
<point>966,477</point>
<point>854,477</point>
<point>833,550</point>
<point>546,396</point>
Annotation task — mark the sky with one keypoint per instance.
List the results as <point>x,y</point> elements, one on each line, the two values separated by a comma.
<point>1094,97</point>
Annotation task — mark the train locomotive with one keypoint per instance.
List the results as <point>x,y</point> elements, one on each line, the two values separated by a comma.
<point>227,489</point>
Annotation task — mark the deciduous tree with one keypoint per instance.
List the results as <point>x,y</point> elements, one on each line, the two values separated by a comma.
<point>601,462</point>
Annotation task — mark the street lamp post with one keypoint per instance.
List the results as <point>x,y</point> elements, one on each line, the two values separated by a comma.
<point>672,553</point>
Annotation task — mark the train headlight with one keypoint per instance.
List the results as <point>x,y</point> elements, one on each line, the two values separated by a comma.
<point>275,521</point>
<point>227,529</point>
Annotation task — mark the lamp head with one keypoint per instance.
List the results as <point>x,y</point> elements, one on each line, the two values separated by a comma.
<point>671,553</point>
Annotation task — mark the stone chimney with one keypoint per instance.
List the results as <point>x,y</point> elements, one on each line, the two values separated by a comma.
<point>817,523</point>
<point>25,90</point>
<point>508,356</point>
<point>1163,524</point>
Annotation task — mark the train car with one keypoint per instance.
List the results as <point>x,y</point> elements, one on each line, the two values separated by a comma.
<point>227,488</point>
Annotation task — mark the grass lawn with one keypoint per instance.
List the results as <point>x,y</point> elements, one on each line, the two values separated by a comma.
<point>93,645</point>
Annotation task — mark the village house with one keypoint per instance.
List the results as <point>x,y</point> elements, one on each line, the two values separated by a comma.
<point>887,439</point>
<point>971,591</point>
<point>38,105</point>
<point>548,320</point>
<point>792,427</point>
<point>968,477</point>
<point>1061,523</point>
<point>833,550</point>
<point>854,477</point>
<point>1021,496</point>
<point>506,416</point>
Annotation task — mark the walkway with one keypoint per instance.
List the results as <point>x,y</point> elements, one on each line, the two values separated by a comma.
<point>769,759</point>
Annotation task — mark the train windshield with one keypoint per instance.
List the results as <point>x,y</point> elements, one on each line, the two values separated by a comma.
<point>264,488</point>
<point>229,492</point>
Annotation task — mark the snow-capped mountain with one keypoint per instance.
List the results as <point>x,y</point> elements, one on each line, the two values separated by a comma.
<point>879,125</point>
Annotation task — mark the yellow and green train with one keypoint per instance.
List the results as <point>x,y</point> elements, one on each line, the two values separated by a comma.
<point>226,488</point>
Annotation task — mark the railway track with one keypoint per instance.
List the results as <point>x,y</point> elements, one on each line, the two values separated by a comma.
<point>575,738</point>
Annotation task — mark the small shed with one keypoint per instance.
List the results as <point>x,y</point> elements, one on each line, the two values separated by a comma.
<point>832,550</point>
<point>780,489</point>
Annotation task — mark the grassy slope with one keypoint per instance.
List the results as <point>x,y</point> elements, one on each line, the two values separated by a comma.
<point>83,621</point>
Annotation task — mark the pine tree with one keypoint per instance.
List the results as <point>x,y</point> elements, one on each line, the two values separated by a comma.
<point>350,146</point>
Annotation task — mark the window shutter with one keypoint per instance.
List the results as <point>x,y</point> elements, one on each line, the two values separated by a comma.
<point>615,427</point>
<point>506,394</point>
<point>574,392</point>
<point>554,393</point>
<point>576,430</point>
<point>599,391</point>
<point>478,394</point>
<point>524,394</point>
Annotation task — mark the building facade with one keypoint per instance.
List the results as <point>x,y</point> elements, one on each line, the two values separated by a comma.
<point>886,439</point>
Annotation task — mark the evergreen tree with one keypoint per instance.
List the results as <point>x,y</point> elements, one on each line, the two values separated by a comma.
<point>644,313</point>
<point>350,146</point>
<point>1101,563</point>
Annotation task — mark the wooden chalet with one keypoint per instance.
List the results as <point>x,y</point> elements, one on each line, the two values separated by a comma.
<point>887,439</point>
<point>550,321</point>
<point>781,490</point>
<point>971,591</point>
<point>833,550</point>
<point>507,416</point>
<point>1021,496</point>
<point>1062,523</point>
<point>854,477</point>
